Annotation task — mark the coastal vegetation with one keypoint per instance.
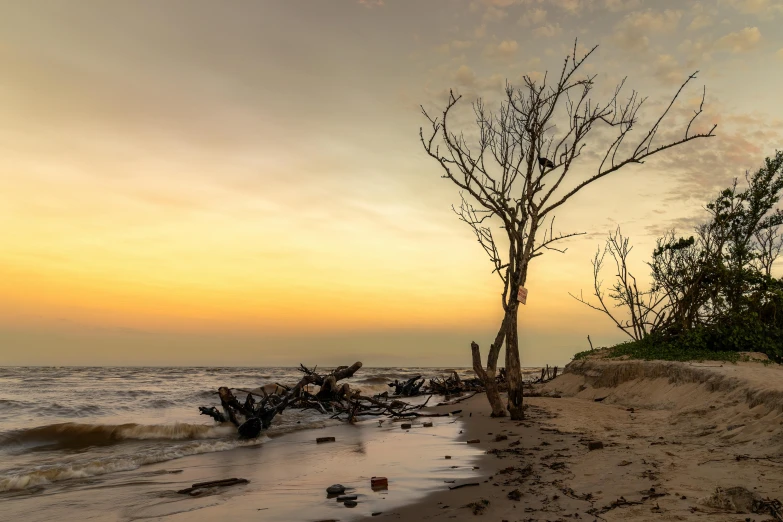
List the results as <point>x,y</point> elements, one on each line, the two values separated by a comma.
<point>712,294</point>
<point>521,165</point>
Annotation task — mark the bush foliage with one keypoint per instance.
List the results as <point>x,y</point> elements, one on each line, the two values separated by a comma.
<point>712,294</point>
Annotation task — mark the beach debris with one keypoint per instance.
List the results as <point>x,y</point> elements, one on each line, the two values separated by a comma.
<point>377,513</point>
<point>321,440</point>
<point>499,438</point>
<point>741,500</point>
<point>620,502</point>
<point>464,485</point>
<point>595,445</point>
<point>338,401</point>
<point>410,388</point>
<point>427,425</point>
<point>377,483</point>
<point>448,457</point>
<point>451,386</point>
<point>515,495</point>
<point>479,506</point>
<point>350,503</point>
<point>343,498</point>
<point>405,426</point>
<point>336,489</point>
<point>202,487</point>
<point>474,441</point>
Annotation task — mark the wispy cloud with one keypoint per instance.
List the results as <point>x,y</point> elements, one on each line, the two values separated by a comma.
<point>741,41</point>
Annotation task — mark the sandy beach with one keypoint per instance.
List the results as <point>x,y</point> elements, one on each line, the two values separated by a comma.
<point>669,433</point>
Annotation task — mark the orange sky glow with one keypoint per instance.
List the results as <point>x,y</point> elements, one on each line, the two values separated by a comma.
<point>241,183</point>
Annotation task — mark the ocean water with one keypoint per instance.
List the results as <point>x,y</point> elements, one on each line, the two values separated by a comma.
<point>61,423</point>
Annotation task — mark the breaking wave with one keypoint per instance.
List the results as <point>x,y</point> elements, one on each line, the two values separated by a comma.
<point>102,466</point>
<point>70,435</point>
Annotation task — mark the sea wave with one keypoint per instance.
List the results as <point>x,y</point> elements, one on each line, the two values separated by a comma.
<point>161,403</point>
<point>374,380</point>
<point>57,409</point>
<point>101,466</point>
<point>71,435</point>
<point>10,404</point>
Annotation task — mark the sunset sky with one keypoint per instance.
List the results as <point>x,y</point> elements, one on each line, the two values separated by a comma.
<point>241,182</point>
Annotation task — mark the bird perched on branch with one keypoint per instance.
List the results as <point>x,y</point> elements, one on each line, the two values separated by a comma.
<point>545,162</point>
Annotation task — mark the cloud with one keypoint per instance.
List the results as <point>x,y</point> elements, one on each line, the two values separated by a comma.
<point>668,70</point>
<point>465,76</point>
<point>508,47</point>
<point>622,5</point>
<point>634,30</point>
<point>742,140</point>
<point>461,44</point>
<point>700,22</point>
<point>443,49</point>
<point>741,41</point>
<point>504,50</point>
<point>762,8</point>
<point>496,82</point>
<point>571,6</point>
<point>697,51</point>
<point>371,3</point>
<point>548,30</point>
<point>494,14</point>
<point>532,17</point>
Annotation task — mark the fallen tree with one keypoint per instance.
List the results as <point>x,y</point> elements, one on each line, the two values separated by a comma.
<point>334,399</point>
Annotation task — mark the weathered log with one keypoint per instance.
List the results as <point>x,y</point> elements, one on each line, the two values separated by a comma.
<point>213,484</point>
<point>409,388</point>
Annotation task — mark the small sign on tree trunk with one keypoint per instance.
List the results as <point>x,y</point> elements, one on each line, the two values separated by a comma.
<point>522,295</point>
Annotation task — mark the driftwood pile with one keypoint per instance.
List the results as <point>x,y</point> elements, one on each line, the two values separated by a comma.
<point>449,386</point>
<point>333,399</point>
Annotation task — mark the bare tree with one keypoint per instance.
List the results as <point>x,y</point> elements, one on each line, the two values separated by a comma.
<point>770,243</point>
<point>515,175</point>
<point>644,310</point>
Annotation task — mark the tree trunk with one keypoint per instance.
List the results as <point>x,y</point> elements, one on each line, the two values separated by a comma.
<point>490,383</point>
<point>488,376</point>
<point>513,368</point>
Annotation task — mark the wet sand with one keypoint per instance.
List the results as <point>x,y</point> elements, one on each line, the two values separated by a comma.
<point>288,477</point>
